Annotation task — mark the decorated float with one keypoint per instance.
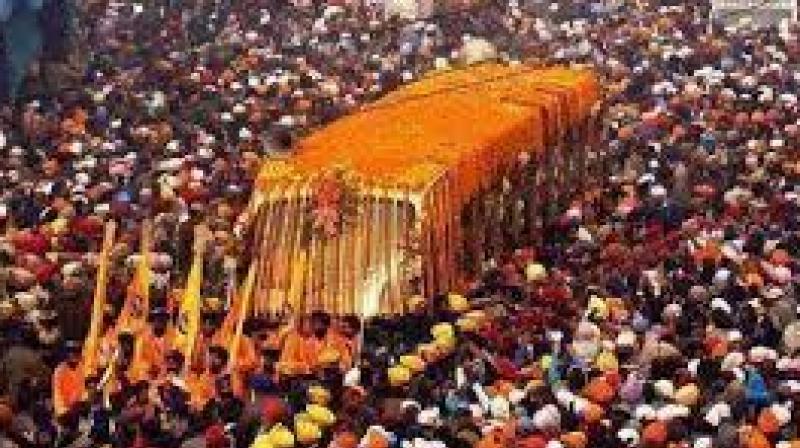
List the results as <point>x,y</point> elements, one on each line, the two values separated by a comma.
<point>411,194</point>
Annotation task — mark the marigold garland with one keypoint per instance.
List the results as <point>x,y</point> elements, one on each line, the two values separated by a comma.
<point>334,204</point>
<point>470,121</point>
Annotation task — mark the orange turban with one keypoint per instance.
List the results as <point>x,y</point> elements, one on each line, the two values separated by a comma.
<point>599,391</point>
<point>532,442</point>
<point>768,422</point>
<point>780,257</point>
<point>575,439</point>
<point>272,410</point>
<point>625,133</point>
<point>375,440</point>
<point>754,279</point>
<point>718,347</point>
<point>345,440</point>
<point>502,388</point>
<point>755,439</point>
<point>593,413</point>
<point>654,435</point>
<point>494,439</point>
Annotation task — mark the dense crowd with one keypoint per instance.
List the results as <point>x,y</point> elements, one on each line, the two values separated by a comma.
<point>659,311</point>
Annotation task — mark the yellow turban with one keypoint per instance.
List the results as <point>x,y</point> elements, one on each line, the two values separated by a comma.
<point>466,324</point>
<point>476,315</point>
<point>458,303</point>
<point>606,361</point>
<point>429,352</point>
<point>213,304</point>
<point>262,441</point>
<point>445,344</point>
<point>280,436</point>
<point>535,272</point>
<point>59,226</point>
<point>307,431</point>
<point>687,395</point>
<point>545,362</point>
<point>598,307</point>
<point>412,362</point>
<point>416,302</point>
<point>291,368</point>
<point>399,375</point>
<point>328,356</point>
<point>442,330</point>
<point>320,415</point>
<point>319,395</point>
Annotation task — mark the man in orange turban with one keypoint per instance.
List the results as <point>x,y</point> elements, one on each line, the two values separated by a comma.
<point>340,339</point>
<point>344,440</point>
<point>69,387</point>
<point>199,382</point>
<point>599,390</point>
<point>751,437</point>
<point>303,344</point>
<point>155,341</point>
<point>654,435</point>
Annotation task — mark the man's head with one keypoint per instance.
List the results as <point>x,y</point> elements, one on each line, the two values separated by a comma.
<point>72,351</point>
<point>349,326</point>
<point>224,386</point>
<point>159,318</point>
<point>209,325</point>
<point>320,322</point>
<point>109,317</point>
<point>174,361</point>
<point>218,359</point>
<point>126,342</point>
<point>303,325</point>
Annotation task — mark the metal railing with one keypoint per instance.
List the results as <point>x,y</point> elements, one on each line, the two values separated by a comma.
<point>753,4</point>
<point>721,10</point>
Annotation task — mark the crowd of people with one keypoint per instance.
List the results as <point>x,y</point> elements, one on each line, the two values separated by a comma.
<point>660,311</point>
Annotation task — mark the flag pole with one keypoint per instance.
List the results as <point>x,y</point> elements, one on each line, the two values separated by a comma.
<point>98,303</point>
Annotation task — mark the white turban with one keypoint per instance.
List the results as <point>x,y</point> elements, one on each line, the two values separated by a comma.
<point>644,412</point>
<point>782,413</point>
<point>702,442</point>
<point>515,396</point>
<point>672,411</point>
<point>658,191</point>
<point>82,178</point>
<point>500,408</point>
<point>721,304</point>
<point>626,338</point>
<point>547,417</point>
<point>629,436</point>
<point>732,360</point>
<point>352,378</point>
<point>665,388</point>
<point>717,412</point>
<point>761,353</point>
<point>429,417</point>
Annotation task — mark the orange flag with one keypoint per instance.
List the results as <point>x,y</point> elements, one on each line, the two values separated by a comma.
<point>188,324</point>
<point>91,345</point>
<point>229,323</point>
<point>136,308</point>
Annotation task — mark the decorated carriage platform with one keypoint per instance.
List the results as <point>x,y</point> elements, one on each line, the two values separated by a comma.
<point>411,194</point>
